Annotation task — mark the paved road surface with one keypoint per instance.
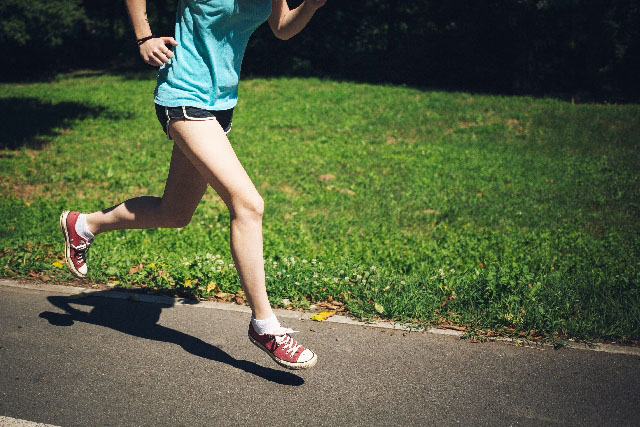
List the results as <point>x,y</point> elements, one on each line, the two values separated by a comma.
<point>100,361</point>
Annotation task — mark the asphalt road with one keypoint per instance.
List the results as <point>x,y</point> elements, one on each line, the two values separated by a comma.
<point>100,361</point>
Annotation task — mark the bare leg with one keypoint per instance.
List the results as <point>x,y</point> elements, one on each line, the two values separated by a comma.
<point>184,188</point>
<point>205,144</point>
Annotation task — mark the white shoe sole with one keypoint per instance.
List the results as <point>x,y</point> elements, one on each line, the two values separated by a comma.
<point>304,365</point>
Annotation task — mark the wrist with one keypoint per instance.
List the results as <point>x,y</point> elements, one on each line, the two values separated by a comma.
<point>142,40</point>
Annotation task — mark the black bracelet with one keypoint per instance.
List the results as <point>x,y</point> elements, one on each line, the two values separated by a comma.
<point>144,39</point>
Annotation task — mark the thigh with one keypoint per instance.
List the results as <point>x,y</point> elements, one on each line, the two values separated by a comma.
<point>185,186</point>
<point>207,147</point>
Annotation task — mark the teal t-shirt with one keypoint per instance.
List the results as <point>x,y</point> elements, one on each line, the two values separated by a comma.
<point>212,36</point>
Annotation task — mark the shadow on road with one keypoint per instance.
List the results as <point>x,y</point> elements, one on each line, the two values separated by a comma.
<point>140,319</point>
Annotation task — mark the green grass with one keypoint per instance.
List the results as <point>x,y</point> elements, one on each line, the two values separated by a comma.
<point>486,211</point>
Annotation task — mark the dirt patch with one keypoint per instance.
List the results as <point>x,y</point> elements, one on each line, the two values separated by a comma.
<point>516,126</point>
<point>513,124</point>
<point>31,191</point>
<point>22,190</point>
<point>321,212</point>
<point>294,129</point>
<point>288,190</point>
<point>326,177</point>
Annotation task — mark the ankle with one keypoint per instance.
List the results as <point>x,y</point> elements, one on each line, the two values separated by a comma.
<point>82,229</point>
<point>265,326</point>
<point>92,227</point>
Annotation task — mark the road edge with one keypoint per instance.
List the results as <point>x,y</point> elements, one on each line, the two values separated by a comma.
<point>80,292</point>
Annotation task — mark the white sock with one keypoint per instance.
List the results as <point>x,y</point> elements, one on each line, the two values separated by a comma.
<point>266,326</point>
<point>82,229</point>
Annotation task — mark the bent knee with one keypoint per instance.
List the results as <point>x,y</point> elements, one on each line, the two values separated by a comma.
<point>249,208</point>
<point>177,220</point>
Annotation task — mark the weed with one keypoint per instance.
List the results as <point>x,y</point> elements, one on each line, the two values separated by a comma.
<point>508,213</point>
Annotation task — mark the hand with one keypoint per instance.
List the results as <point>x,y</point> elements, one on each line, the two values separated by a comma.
<point>315,4</point>
<point>155,52</point>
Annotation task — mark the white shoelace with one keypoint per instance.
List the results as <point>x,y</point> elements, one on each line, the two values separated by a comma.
<point>81,251</point>
<point>289,345</point>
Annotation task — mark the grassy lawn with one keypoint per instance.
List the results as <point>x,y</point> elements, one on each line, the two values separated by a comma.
<point>498,213</point>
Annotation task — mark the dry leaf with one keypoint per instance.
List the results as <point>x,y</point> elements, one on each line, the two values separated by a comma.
<point>379,308</point>
<point>221,295</point>
<point>213,287</point>
<point>346,191</point>
<point>322,316</point>
<point>57,264</point>
<point>454,327</point>
<point>430,212</point>
<point>238,300</point>
<point>135,269</point>
<point>327,177</point>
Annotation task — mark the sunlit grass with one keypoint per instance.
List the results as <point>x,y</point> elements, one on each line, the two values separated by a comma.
<point>488,211</point>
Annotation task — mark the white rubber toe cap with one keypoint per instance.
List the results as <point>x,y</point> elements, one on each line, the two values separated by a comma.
<point>83,269</point>
<point>305,356</point>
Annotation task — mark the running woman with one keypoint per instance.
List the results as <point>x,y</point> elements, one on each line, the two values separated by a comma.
<point>196,92</point>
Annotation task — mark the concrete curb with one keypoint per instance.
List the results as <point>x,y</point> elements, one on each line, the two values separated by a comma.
<point>15,422</point>
<point>171,301</point>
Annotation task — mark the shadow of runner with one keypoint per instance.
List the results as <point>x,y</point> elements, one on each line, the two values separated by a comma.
<point>30,122</point>
<point>140,319</point>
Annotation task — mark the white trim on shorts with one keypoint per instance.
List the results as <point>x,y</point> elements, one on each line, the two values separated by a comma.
<point>186,116</point>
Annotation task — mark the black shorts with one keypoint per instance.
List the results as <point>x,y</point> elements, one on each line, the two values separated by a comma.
<point>165,114</point>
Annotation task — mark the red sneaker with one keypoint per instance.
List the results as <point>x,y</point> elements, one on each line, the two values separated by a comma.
<point>75,247</point>
<point>284,350</point>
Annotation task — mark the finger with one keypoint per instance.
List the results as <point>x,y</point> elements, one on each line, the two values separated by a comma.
<point>169,40</point>
<point>153,61</point>
<point>161,57</point>
<point>166,52</point>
